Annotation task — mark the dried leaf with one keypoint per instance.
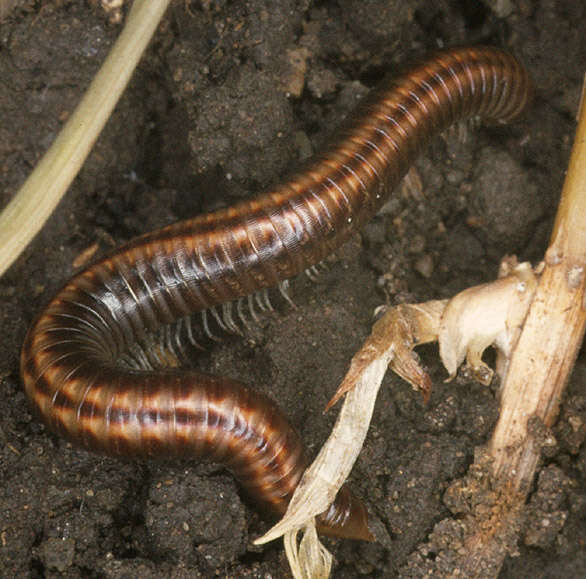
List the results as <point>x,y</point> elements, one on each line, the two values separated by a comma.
<point>485,315</point>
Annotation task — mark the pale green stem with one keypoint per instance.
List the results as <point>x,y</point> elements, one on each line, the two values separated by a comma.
<point>30,208</point>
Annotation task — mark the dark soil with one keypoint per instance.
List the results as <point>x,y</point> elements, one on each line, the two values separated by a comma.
<point>229,97</point>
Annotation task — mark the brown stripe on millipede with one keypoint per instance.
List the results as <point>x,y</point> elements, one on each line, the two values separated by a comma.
<point>70,359</point>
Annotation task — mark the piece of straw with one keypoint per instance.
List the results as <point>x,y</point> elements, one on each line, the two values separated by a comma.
<point>536,378</point>
<point>554,329</point>
<point>30,208</point>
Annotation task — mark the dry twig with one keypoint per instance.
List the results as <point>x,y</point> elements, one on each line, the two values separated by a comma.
<point>540,364</point>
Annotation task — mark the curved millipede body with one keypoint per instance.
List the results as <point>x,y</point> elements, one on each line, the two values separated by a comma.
<point>71,360</point>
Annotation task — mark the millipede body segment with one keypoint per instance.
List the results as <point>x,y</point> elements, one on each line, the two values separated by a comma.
<point>71,359</point>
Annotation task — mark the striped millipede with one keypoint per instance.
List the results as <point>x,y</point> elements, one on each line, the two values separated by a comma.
<point>71,359</point>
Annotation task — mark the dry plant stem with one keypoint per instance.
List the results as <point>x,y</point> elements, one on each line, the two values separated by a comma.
<point>28,211</point>
<point>540,365</point>
<point>553,331</point>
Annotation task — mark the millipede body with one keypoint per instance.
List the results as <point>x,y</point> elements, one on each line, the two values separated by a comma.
<point>72,360</point>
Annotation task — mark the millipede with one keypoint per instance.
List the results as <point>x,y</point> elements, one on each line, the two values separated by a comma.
<point>95,362</point>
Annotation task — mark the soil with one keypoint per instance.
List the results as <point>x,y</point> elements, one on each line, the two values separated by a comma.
<point>229,97</point>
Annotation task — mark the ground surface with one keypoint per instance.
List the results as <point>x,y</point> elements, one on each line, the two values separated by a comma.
<point>230,96</point>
